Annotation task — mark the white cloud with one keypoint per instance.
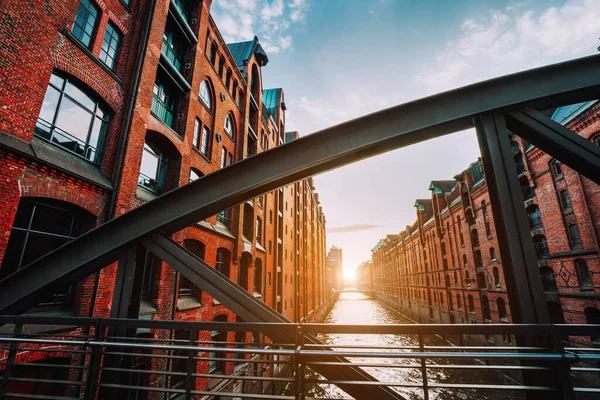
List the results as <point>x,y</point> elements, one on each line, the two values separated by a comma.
<point>270,11</point>
<point>514,39</point>
<point>270,20</point>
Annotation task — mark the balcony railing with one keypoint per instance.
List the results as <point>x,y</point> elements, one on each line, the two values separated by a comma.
<point>181,6</point>
<point>67,141</point>
<point>161,111</point>
<point>171,55</point>
<point>112,364</point>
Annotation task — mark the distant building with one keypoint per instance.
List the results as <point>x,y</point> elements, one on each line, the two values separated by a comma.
<point>363,278</point>
<point>337,264</point>
<point>446,266</point>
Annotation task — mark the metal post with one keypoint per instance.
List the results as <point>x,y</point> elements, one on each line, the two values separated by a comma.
<point>423,367</point>
<point>300,361</point>
<point>93,369</point>
<point>190,382</point>
<point>10,361</point>
<point>523,283</point>
<point>563,367</point>
<point>527,303</point>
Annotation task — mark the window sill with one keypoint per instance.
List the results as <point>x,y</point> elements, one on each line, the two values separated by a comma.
<point>91,55</point>
<point>145,194</point>
<point>188,303</point>
<point>201,154</point>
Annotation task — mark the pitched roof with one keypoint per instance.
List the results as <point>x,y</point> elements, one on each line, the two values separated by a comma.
<point>442,187</point>
<point>272,100</point>
<point>425,205</point>
<point>563,115</point>
<point>243,51</point>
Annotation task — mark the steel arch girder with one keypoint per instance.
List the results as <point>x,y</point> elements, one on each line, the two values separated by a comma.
<point>333,147</point>
<point>242,303</point>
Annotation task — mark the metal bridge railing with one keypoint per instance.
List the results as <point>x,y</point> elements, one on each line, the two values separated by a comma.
<point>58,358</point>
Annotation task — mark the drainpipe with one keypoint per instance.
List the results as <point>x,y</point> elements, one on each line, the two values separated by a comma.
<point>130,108</point>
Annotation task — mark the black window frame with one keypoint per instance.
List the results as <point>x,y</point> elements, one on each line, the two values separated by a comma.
<point>85,10</point>
<point>115,36</point>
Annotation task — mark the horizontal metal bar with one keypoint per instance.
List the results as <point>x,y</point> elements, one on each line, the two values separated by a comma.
<point>37,380</point>
<point>436,385</point>
<point>40,396</point>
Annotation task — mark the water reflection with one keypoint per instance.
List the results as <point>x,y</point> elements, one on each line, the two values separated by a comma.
<point>355,308</point>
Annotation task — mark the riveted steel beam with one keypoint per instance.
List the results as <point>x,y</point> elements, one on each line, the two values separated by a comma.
<point>556,140</point>
<point>246,306</point>
<point>343,144</point>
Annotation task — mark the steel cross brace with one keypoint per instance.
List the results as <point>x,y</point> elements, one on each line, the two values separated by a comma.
<point>250,309</point>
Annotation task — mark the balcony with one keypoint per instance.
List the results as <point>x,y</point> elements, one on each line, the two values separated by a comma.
<point>169,52</point>
<point>162,111</point>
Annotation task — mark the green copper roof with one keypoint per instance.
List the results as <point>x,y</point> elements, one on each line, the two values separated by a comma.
<point>243,51</point>
<point>272,100</point>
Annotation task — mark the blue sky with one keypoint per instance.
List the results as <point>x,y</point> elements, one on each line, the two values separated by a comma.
<point>340,59</point>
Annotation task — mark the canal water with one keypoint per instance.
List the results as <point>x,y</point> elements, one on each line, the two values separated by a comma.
<point>355,308</point>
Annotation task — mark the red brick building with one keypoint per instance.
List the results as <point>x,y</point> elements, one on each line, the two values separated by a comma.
<point>107,104</point>
<point>446,266</point>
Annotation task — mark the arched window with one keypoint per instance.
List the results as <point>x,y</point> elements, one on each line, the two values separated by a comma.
<point>565,200</point>
<point>541,246</point>
<point>467,278</point>
<point>258,276</point>
<point>153,169</point>
<point>228,126</point>
<point>465,260</point>
<point>72,118</point>
<point>496,274</point>
<point>223,261</point>
<point>534,216</point>
<point>481,280</point>
<point>557,169</point>
<point>187,288</point>
<point>458,303</point>
<point>485,308</point>
<point>574,235</point>
<point>40,226</point>
<point>501,305</point>
<point>592,316</point>
<point>492,254</point>
<point>195,174</point>
<point>248,223</point>
<point>526,188</point>
<point>583,274</point>
<point>221,66</point>
<point>245,261</point>
<point>474,238</point>
<point>548,279</point>
<point>471,304</point>
<point>255,83</point>
<point>477,259</point>
<point>259,231</point>
<point>205,95</point>
<point>469,217</point>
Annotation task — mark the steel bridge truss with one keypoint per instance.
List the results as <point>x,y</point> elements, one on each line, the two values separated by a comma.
<point>510,102</point>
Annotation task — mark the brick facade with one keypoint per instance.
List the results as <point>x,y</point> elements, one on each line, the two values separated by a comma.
<point>446,267</point>
<point>284,264</point>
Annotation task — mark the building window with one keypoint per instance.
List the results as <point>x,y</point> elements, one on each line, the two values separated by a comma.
<point>258,230</point>
<point>151,262</point>
<point>196,136</point>
<point>534,216</point>
<point>218,338</point>
<point>592,316</point>
<point>248,222</point>
<point>205,143</point>
<point>526,188</point>
<point>458,303</point>
<point>205,95</point>
<point>541,246</point>
<point>557,169</point>
<point>548,279</point>
<point>258,275</point>
<point>195,174</point>
<point>40,226</point>
<point>110,46</point>
<point>153,170</point>
<point>583,274</point>
<point>565,200</point>
<point>492,254</point>
<point>85,22</point>
<point>228,79</point>
<point>224,217</point>
<point>485,308</point>
<point>164,103</point>
<point>574,235</point>
<point>223,157</point>
<point>221,65</point>
<point>229,158</point>
<point>496,274</point>
<point>223,261</point>
<point>72,119</point>
<point>228,126</point>
<point>186,287</point>
<point>501,305</point>
<point>471,304</point>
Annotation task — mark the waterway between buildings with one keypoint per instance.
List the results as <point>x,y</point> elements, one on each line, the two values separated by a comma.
<point>355,308</point>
